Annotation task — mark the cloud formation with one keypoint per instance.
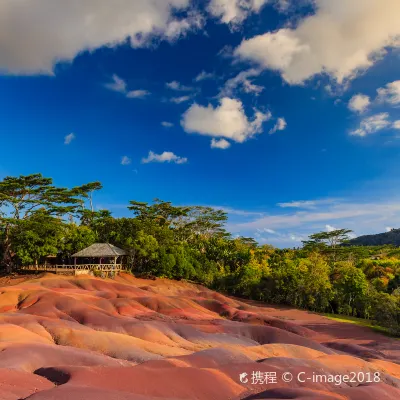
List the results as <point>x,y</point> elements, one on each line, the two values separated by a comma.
<point>243,82</point>
<point>69,138</point>
<point>137,94</point>
<point>359,103</point>
<point>34,35</point>
<point>166,156</point>
<point>341,39</point>
<point>120,86</point>
<point>307,204</point>
<point>220,144</point>
<point>293,226</point>
<point>372,124</point>
<point>390,94</point>
<point>280,125</point>
<point>234,11</point>
<point>167,124</point>
<point>228,120</point>
<point>175,85</point>
<point>204,76</point>
<point>125,160</point>
<point>180,99</point>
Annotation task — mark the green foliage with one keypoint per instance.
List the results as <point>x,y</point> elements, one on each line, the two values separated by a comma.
<point>351,285</point>
<point>35,238</point>
<point>329,274</point>
<point>387,312</point>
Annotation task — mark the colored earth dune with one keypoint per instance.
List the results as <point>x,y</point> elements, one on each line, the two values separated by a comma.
<point>133,339</point>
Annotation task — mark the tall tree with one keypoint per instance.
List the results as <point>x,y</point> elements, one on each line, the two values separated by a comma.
<point>22,197</point>
<point>328,241</point>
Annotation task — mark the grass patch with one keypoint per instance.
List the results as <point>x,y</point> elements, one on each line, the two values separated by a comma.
<point>360,322</point>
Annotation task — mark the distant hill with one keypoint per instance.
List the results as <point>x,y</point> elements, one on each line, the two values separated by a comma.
<point>380,239</point>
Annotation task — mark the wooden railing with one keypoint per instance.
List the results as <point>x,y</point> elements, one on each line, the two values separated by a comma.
<point>78,267</point>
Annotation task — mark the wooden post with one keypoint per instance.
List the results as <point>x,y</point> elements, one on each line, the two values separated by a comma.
<point>74,266</point>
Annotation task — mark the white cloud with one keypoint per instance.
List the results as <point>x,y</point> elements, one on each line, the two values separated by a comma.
<point>359,103</point>
<point>119,85</point>
<point>204,76</point>
<point>175,85</point>
<point>166,156</point>
<point>266,230</point>
<point>125,160</point>
<point>330,228</point>
<point>228,120</point>
<point>396,124</point>
<point>341,39</point>
<point>166,124</point>
<point>234,11</point>
<point>34,35</point>
<point>69,138</point>
<point>388,228</point>
<point>137,94</point>
<point>361,217</point>
<point>180,99</point>
<point>280,125</point>
<point>372,124</point>
<point>242,81</point>
<point>390,93</point>
<point>220,144</point>
<point>307,204</point>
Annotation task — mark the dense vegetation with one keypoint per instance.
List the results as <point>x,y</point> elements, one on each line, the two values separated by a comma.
<point>38,219</point>
<point>380,239</point>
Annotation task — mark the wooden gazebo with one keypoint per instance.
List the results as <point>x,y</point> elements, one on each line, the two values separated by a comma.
<point>103,257</point>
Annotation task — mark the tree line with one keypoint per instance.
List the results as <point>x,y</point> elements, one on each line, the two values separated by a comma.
<point>38,219</point>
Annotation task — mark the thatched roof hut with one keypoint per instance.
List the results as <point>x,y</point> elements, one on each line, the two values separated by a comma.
<point>100,250</point>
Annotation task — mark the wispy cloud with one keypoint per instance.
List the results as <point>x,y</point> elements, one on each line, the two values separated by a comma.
<point>120,86</point>
<point>125,160</point>
<point>69,138</point>
<point>280,125</point>
<point>166,156</point>
<point>372,124</point>
<point>390,94</point>
<point>116,85</point>
<point>220,144</point>
<point>307,217</point>
<point>242,81</point>
<point>137,94</point>
<point>177,86</point>
<point>307,204</point>
<point>204,76</point>
<point>180,99</point>
<point>167,124</point>
<point>359,103</point>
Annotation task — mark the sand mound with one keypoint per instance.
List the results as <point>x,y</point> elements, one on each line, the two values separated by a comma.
<point>135,339</point>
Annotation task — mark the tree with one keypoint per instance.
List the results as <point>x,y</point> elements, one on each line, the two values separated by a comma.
<point>350,285</point>
<point>37,237</point>
<point>86,192</point>
<point>315,288</point>
<point>75,238</point>
<point>24,196</point>
<point>330,241</point>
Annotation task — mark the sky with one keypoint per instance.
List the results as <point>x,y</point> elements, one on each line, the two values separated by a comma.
<point>283,113</point>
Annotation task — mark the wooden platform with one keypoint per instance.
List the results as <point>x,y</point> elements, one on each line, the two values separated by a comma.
<point>82,269</point>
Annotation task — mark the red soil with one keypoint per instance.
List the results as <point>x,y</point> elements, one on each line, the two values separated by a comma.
<point>132,339</point>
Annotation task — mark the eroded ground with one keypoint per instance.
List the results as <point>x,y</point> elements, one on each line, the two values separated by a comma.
<point>131,339</point>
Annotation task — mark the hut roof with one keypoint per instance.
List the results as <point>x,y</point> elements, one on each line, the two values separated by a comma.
<point>101,250</point>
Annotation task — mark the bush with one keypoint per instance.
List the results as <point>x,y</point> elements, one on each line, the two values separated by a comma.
<point>387,312</point>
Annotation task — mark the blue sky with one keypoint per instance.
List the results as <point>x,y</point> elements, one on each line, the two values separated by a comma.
<point>285,114</point>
